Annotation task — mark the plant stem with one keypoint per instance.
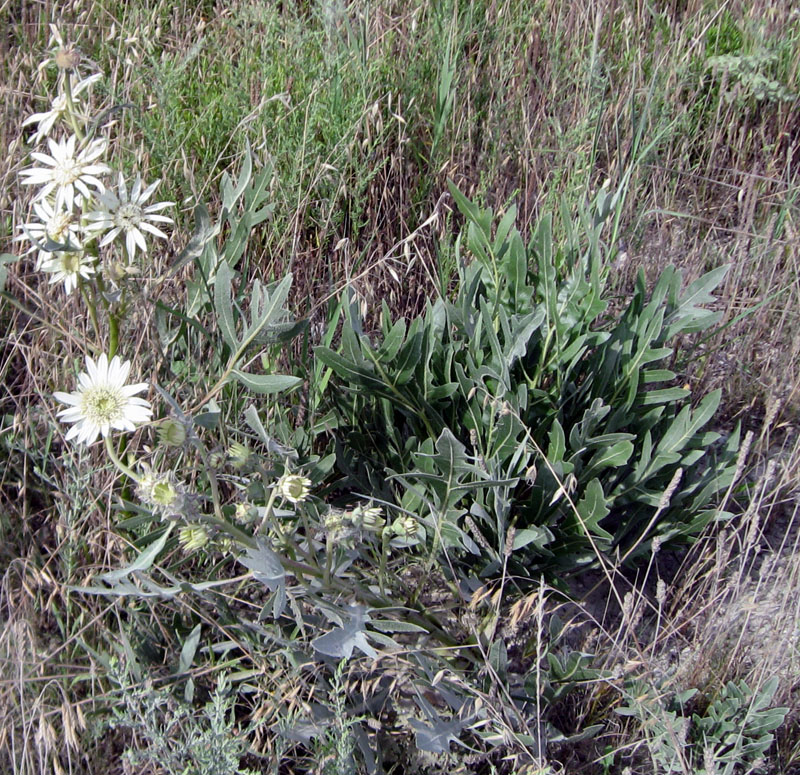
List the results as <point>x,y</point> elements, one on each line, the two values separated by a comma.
<point>92,311</point>
<point>112,453</point>
<point>73,121</point>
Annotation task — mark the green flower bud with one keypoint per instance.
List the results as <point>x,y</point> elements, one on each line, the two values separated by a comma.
<point>161,493</point>
<point>294,488</point>
<point>172,433</point>
<point>405,527</point>
<point>238,455</point>
<point>216,459</point>
<point>334,520</point>
<point>370,519</point>
<point>244,513</point>
<point>193,537</point>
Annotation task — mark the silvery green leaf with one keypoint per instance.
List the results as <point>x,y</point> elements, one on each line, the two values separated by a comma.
<point>340,642</point>
<point>265,565</point>
<point>254,421</point>
<point>189,649</point>
<point>204,232</point>
<point>143,562</point>
<point>266,383</point>
<point>5,258</point>
<point>437,737</point>
<point>223,305</point>
<point>231,195</point>
<point>208,418</point>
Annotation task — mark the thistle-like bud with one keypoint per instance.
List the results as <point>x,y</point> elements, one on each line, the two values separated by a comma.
<point>67,58</point>
<point>244,513</point>
<point>334,520</point>
<point>161,493</point>
<point>216,459</point>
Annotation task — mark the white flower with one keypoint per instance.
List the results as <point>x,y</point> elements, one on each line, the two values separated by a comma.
<point>64,171</point>
<point>67,266</point>
<point>128,215</point>
<point>294,488</point>
<point>59,226</point>
<point>58,108</point>
<point>103,401</point>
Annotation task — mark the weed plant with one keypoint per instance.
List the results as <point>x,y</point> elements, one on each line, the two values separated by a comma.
<point>317,464</point>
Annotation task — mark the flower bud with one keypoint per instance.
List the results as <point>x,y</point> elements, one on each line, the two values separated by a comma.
<point>216,459</point>
<point>238,455</point>
<point>67,58</point>
<point>193,537</point>
<point>294,488</point>
<point>161,493</point>
<point>405,527</point>
<point>172,433</point>
<point>334,520</point>
<point>244,513</point>
<point>370,519</point>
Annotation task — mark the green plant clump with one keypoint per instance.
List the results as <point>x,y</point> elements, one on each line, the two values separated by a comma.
<point>523,414</point>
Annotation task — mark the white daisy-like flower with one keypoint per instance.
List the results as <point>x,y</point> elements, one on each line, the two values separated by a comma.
<point>294,488</point>
<point>64,171</point>
<point>59,226</point>
<point>58,108</point>
<point>68,266</point>
<point>103,401</point>
<point>121,214</point>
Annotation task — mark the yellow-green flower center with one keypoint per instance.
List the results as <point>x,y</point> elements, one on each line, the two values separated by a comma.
<point>128,216</point>
<point>164,494</point>
<point>71,262</point>
<point>101,405</point>
<point>67,172</point>
<point>58,227</point>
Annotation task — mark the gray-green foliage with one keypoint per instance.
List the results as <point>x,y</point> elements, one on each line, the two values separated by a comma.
<point>176,737</point>
<point>748,77</point>
<point>734,731</point>
<point>525,401</point>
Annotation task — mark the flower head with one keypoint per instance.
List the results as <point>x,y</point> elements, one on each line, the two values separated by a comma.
<point>66,57</point>
<point>294,488</point>
<point>121,214</point>
<point>161,492</point>
<point>57,226</point>
<point>103,401</point>
<point>68,266</point>
<point>66,171</point>
<point>58,108</point>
